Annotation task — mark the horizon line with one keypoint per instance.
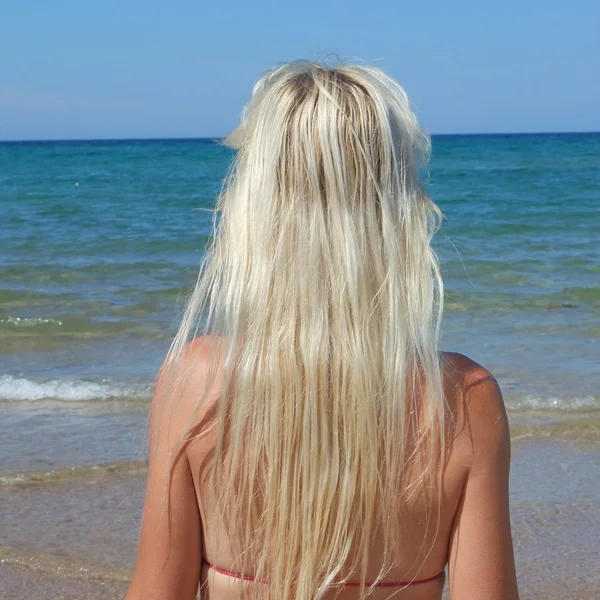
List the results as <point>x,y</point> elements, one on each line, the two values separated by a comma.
<point>217,138</point>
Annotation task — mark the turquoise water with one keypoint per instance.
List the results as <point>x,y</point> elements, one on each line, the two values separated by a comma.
<point>101,242</point>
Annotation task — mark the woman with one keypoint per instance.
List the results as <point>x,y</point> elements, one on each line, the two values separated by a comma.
<point>317,444</point>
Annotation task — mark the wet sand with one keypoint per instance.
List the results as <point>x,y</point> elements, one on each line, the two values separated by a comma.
<point>76,538</point>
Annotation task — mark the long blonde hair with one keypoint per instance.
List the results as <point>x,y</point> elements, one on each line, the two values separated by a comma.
<point>323,282</point>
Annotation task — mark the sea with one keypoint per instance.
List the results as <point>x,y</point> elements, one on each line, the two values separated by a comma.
<point>100,246</point>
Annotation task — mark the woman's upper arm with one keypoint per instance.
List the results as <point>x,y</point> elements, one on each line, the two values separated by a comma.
<point>169,552</point>
<point>481,565</point>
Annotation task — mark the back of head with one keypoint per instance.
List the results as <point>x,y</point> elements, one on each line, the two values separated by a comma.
<point>322,278</point>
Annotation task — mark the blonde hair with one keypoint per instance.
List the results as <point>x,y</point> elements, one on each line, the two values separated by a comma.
<point>323,282</point>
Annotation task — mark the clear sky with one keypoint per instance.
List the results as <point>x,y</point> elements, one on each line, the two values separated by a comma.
<point>184,68</point>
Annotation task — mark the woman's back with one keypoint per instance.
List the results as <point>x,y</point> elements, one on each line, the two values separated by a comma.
<point>471,535</point>
<point>324,444</point>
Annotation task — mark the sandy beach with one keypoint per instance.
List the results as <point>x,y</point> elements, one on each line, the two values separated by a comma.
<point>75,538</point>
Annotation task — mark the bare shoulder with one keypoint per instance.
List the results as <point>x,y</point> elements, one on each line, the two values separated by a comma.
<point>481,560</point>
<point>479,403</point>
<point>467,379</point>
<point>185,387</point>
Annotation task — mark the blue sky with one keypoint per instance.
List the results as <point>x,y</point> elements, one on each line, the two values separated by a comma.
<point>130,68</point>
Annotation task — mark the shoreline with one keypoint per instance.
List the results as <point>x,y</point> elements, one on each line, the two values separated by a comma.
<point>581,428</point>
<point>555,499</point>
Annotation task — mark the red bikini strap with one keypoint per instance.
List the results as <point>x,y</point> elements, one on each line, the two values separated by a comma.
<point>348,584</point>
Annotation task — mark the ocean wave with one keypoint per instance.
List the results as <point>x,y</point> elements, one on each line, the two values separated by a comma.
<point>29,321</point>
<point>75,325</point>
<point>26,390</point>
<point>67,567</point>
<point>46,332</point>
<point>562,404</point>
<point>584,298</point>
<point>114,469</point>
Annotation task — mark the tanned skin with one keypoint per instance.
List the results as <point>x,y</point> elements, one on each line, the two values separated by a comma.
<point>473,538</point>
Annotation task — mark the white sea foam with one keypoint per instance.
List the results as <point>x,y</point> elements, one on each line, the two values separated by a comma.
<point>29,322</point>
<point>27,390</point>
<point>23,390</point>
